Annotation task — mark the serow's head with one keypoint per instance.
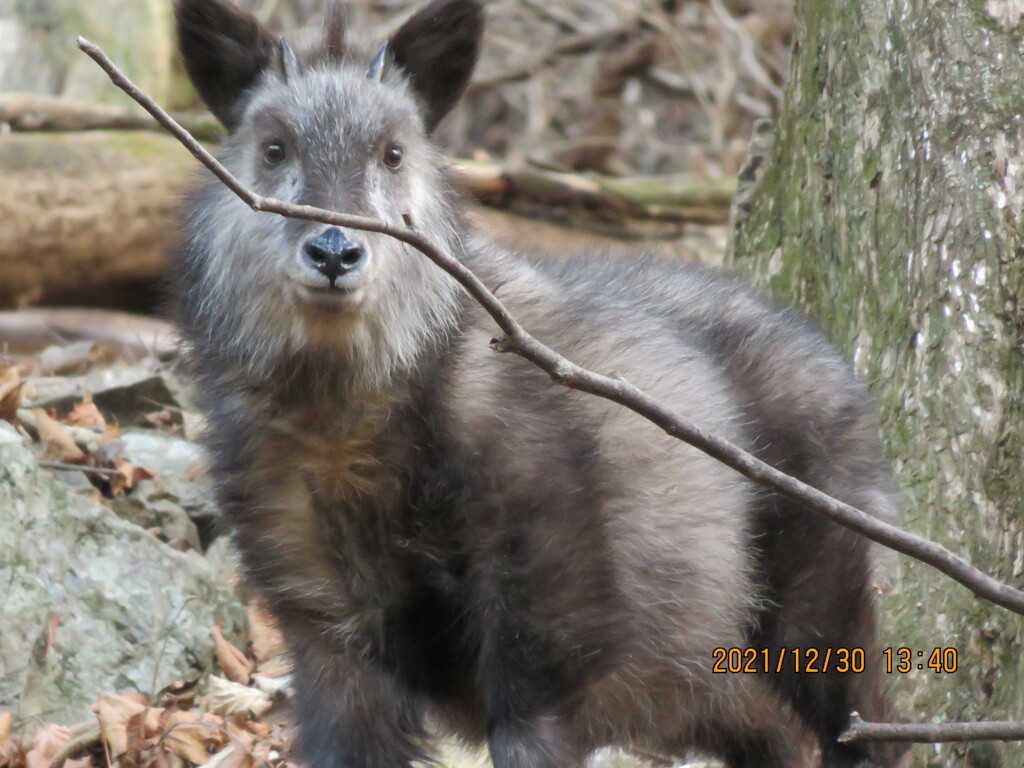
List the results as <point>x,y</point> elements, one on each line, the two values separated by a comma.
<point>342,124</point>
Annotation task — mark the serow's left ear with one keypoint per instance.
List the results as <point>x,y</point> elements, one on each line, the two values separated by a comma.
<point>438,47</point>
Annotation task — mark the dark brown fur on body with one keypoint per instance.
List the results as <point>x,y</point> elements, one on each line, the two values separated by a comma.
<point>443,534</point>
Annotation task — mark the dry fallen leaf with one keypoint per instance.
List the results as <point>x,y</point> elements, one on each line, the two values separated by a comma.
<point>111,432</point>
<point>128,475</point>
<point>6,745</point>
<point>179,694</point>
<point>162,419</point>
<point>241,758</point>
<point>245,756</point>
<point>153,722</point>
<point>233,756</point>
<point>45,744</point>
<point>280,685</point>
<point>232,661</point>
<point>258,729</point>
<point>11,385</point>
<point>86,414</point>
<point>165,759</point>
<point>190,735</point>
<point>267,640</point>
<point>235,700</point>
<point>122,724</point>
<point>57,441</point>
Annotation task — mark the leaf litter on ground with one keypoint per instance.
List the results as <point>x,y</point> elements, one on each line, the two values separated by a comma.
<point>225,720</point>
<point>231,725</point>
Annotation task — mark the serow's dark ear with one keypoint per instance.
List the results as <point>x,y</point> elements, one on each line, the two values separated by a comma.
<point>437,47</point>
<point>225,50</point>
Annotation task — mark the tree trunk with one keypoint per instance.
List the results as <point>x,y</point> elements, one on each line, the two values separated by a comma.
<point>890,207</point>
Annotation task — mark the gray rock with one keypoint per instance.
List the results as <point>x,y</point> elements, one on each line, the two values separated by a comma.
<point>174,461</point>
<point>175,526</point>
<point>160,453</point>
<point>129,612</point>
<point>226,562</point>
<point>120,393</point>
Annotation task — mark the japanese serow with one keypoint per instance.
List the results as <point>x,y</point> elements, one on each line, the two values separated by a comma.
<point>448,539</point>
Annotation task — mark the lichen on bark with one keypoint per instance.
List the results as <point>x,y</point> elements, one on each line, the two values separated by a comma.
<point>890,209</point>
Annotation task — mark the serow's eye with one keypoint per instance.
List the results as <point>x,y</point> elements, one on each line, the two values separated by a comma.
<point>393,156</point>
<point>273,153</point>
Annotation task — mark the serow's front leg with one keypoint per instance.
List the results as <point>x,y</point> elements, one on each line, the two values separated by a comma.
<point>532,678</point>
<point>550,625</point>
<point>533,741</point>
<point>350,714</point>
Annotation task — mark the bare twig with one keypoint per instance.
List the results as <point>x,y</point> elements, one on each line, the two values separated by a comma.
<point>930,733</point>
<point>79,468</point>
<point>83,739</point>
<point>567,373</point>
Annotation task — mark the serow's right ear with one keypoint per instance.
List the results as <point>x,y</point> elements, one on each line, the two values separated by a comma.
<point>225,50</point>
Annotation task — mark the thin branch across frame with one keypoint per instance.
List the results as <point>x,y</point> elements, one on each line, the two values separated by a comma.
<point>567,373</point>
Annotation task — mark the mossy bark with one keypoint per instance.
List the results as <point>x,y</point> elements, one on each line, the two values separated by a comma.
<point>890,209</point>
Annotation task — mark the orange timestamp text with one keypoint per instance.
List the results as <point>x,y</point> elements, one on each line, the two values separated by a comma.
<point>905,660</point>
<point>823,660</point>
<point>778,660</point>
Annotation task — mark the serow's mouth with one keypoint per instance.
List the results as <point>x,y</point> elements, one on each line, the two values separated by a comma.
<point>336,298</point>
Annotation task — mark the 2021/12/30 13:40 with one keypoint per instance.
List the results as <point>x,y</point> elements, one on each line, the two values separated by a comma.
<point>841,660</point>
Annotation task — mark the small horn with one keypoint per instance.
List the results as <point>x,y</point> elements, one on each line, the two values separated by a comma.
<point>289,64</point>
<point>376,70</point>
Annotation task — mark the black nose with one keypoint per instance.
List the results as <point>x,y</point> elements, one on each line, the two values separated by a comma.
<point>333,253</point>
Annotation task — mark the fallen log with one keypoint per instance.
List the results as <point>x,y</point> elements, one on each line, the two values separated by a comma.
<point>680,198</point>
<point>35,112</point>
<point>85,213</point>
